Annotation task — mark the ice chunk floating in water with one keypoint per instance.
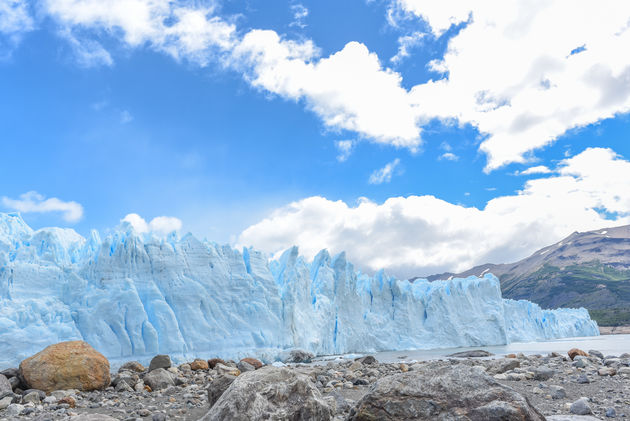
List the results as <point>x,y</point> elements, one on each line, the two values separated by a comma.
<point>133,296</point>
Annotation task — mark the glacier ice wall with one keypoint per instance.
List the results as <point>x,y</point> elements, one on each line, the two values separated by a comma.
<point>132,295</point>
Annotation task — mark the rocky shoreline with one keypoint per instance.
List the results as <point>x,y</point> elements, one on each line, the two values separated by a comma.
<point>614,330</point>
<point>575,386</point>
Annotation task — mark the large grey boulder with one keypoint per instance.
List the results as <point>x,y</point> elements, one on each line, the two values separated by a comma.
<point>159,379</point>
<point>270,393</point>
<point>299,356</point>
<point>160,361</point>
<point>5,385</point>
<point>456,392</point>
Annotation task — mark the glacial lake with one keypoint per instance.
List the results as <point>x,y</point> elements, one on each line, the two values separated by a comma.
<point>607,344</point>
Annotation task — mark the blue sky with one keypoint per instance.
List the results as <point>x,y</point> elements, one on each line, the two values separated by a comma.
<point>233,128</point>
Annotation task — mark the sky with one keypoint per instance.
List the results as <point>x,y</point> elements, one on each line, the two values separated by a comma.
<point>419,136</point>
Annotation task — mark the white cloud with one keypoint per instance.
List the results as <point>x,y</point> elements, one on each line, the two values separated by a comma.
<point>345,148</point>
<point>405,44</point>
<point>384,175</point>
<point>420,235</point>
<point>88,53</point>
<point>300,12</point>
<point>510,73</point>
<point>161,225</point>
<point>449,156</point>
<point>33,202</point>
<point>539,169</point>
<point>15,21</point>
<point>125,117</point>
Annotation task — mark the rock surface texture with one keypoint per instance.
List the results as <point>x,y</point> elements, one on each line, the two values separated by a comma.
<point>457,392</point>
<point>66,365</point>
<point>270,393</point>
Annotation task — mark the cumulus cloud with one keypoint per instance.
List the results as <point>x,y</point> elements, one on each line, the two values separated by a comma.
<point>405,44</point>
<point>161,225</point>
<point>448,156</point>
<point>384,175</point>
<point>421,235</point>
<point>15,21</point>
<point>33,202</point>
<point>538,169</point>
<point>300,12</point>
<point>508,70</point>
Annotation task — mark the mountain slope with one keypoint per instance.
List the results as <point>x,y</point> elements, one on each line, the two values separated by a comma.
<point>589,269</point>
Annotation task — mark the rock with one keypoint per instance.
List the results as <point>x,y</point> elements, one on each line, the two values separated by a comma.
<point>557,392</point>
<point>218,386</point>
<point>270,393</point>
<point>5,402</point>
<point>14,409</point>
<point>624,355</point>
<point>69,400</point>
<point>160,361</point>
<point>452,392</point>
<point>32,397</point>
<point>611,413</point>
<point>66,365</point>
<point>581,363</point>
<point>543,373</point>
<point>158,417</point>
<point>606,371</point>
<point>132,366</point>
<point>159,379</point>
<point>503,365</point>
<point>299,356</point>
<point>595,353</point>
<point>573,352</point>
<point>214,361</point>
<point>224,369</point>
<point>581,407</point>
<point>5,385</point>
<point>478,353</point>
<point>10,372</point>
<point>355,366</point>
<point>199,365</point>
<point>571,418</point>
<point>583,379</point>
<point>623,371</point>
<point>368,359</point>
<point>92,417</point>
<point>245,366</point>
<point>254,362</point>
<point>510,356</point>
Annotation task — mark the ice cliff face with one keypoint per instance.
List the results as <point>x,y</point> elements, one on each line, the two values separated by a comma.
<point>131,295</point>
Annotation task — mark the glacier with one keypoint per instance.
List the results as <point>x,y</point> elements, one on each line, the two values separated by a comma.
<point>133,295</point>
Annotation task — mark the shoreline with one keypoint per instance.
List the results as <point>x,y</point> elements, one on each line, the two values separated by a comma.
<point>614,330</point>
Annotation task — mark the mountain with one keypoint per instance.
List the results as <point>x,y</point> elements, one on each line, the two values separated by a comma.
<point>134,295</point>
<point>586,269</point>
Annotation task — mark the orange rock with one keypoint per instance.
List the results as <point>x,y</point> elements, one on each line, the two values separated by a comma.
<point>66,365</point>
<point>69,400</point>
<point>148,388</point>
<point>574,352</point>
<point>510,356</point>
<point>213,362</point>
<point>199,365</point>
<point>254,362</point>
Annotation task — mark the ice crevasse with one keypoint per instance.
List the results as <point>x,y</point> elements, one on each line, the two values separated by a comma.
<point>134,295</point>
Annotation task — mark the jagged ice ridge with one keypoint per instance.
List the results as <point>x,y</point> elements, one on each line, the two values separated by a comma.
<point>134,295</point>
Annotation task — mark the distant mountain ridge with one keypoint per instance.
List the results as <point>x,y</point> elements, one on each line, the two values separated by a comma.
<point>589,269</point>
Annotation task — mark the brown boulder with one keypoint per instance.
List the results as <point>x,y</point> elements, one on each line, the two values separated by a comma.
<point>66,365</point>
<point>214,361</point>
<point>199,365</point>
<point>574,352</point>
<point>253,361</point>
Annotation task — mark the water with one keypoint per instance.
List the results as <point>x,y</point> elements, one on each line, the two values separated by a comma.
<point>607,344</point>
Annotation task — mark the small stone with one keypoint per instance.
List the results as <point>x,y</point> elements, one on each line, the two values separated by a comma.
<point>244,366</point>
<point>595,353</point>
<point>355,366</point>
<point>160,361</point>
<point>404,367</point>
<point>214,361</point>
<point>478,353</point>
<point>50,400</point>
<point>132,366</point>
<point>606,371</point>
<point>573,352</point>
<point>159,379</point>
<point>32,397</point>
<point>543,373</point>
<point>300,356</point>
<point>14,409</point>
<point>224,369</point>
<point>510,356</point>
<point>199,365</point>
<point>158,417</point>
<point>623,371</point>
<point>5,402</point>
<point>557,392</point>
<point>5,385</point>
<point>583,379</point>
<point>611,413</point>
<point>69,400</point>
<point>581,407</point>
<point>581,363</point>
<point>254,362</point>
<point>368,359</point>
